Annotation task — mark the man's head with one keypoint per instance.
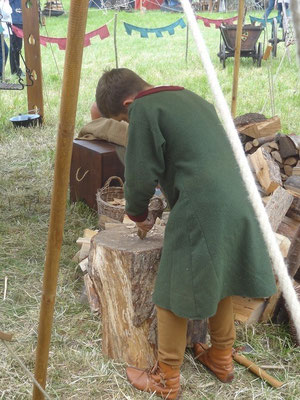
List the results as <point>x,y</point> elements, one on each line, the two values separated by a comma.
<point>116,90</point>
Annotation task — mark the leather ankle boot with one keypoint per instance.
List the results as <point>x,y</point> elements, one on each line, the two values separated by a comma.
<point>161,379</point>
<point>218,361</point>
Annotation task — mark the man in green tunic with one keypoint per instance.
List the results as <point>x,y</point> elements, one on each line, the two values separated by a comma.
<point>213,247</point>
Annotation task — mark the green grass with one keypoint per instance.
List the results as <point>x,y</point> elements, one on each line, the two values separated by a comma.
<point>77,369</point>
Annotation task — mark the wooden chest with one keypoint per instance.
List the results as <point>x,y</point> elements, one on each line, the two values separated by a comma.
<point>93,162</point>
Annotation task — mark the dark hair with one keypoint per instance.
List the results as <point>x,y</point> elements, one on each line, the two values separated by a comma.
<point>114,87</point>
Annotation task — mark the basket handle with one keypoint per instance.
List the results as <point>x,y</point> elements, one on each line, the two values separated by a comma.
<point>117,178</point>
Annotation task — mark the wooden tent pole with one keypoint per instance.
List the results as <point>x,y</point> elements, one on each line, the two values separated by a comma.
<point>69,97</point>
<point>237,54</point>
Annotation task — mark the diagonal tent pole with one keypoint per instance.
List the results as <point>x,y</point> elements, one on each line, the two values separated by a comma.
<point>237,57</point>
<point>69,97</point>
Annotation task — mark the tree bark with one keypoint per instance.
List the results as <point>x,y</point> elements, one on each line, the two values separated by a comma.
<point>123,269</point>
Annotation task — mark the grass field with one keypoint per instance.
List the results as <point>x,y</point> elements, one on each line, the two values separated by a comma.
<point>77,369</point>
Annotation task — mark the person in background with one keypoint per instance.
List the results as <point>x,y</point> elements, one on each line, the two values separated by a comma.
<point>5,16</point>
<point>15,41</point>
<point>280,9</point>
<point>271,5</point>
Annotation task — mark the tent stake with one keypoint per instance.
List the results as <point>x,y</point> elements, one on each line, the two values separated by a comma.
<point>237,55</point>
<point>69,97</point>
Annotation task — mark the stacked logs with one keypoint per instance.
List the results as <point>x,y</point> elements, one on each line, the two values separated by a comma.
<point>274,160</point>
<point>268,149</point>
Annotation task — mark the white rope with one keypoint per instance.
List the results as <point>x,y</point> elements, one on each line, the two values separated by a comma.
<point>279,266</point>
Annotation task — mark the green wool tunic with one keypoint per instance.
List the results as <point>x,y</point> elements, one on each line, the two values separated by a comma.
<point>213,245</point>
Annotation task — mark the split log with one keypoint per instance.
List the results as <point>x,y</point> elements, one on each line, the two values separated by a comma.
<point>262,140</point>
<point>291,229</point>
<point>291,161</point>
<point>123,269</point>
<point>264,128</point>
<point>296,169</point>
<point>293,185</point>
<point>276,156</point>
<point>277,206</point>
<point>247,310</point>
<point>284,244</point>
<point>103,219</point>
<point>288,170</point>
<point>84,251</point>
<point>248,146</point>
<point>294,210</point>
<point>273,145</point>
<point>266,170</point>
<point>267,148</point>
<point>289,145</point>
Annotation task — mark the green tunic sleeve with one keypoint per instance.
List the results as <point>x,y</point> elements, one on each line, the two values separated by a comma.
<point>144,162</point>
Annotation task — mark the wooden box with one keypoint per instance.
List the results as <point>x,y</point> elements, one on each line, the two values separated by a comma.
<point>93,162</point>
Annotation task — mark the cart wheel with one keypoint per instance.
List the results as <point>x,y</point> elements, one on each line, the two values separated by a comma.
<point>274,37</point>
<point>222,54</point>
<point>259,54</point>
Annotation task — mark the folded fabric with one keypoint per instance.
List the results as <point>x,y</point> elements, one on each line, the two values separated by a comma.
<point>106,129</point>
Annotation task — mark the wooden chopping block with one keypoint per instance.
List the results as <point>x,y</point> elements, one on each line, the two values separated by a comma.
<point>123,269</point>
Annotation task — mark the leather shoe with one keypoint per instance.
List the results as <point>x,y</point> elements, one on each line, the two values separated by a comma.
<point>162,379</point>
<point>218,361</point>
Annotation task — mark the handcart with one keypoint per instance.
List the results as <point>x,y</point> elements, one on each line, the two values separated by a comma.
<point>249,47</point>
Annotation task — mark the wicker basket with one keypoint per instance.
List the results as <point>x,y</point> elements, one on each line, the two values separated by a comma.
<point>109,193</point>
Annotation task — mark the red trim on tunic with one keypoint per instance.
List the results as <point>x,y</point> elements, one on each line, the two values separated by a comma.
<point>157,89</point>
<point>138,218</point>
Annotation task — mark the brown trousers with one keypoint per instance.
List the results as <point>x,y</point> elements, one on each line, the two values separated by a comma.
<point>172,332</point>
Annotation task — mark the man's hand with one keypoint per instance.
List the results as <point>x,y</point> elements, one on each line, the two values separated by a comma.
<point>145,226</point>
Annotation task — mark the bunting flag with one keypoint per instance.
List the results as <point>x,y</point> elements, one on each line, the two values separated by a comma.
<point>102,32</point>
<point>217,22</point>
<point>263,21</point>
<point>158,31</point>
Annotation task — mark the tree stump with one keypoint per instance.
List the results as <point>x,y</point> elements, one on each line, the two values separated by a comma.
<point>123,269</point>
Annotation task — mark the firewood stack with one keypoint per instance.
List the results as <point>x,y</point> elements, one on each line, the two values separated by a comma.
<point>274,160</point>
<point>270,150</point>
